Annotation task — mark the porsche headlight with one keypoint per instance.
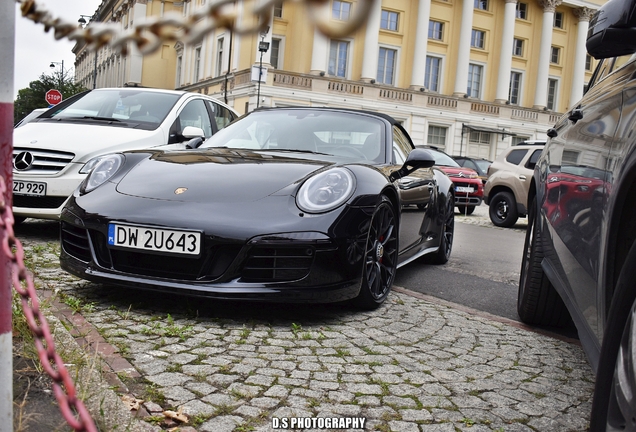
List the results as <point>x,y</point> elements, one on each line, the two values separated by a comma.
<point>105,168</point>
<point>326,191</point>
<point>88,166</point>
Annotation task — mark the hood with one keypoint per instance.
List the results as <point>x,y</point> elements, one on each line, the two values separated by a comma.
<point>84,140</point>
<point>459,172</point>
<point>222,176</point>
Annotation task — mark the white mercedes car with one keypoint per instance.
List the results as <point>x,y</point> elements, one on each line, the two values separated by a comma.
<point>53,153</point>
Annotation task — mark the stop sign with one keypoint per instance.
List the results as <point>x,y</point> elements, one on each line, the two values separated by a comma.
<point>53,97</point>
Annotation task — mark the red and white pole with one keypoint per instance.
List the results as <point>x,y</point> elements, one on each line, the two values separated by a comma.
<point>7,54</point>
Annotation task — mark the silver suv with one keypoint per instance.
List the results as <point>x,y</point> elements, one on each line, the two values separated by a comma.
<point>506,191</point>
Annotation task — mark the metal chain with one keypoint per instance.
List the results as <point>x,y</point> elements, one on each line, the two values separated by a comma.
<point>50,359</point>
<point>149,33</point>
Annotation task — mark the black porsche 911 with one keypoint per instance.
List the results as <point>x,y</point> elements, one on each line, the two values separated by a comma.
<point>284,204</point>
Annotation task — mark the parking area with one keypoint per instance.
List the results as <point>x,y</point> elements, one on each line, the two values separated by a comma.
<point>415,364</point>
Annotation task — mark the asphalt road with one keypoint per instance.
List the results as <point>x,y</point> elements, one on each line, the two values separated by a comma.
<point>483,271</point>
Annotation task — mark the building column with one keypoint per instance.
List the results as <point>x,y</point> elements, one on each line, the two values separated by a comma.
<point>541,89</point>
<point>578,71</point>
<point>421,44</point>
<point>463,53</point>
<point>505,59</point>
<point>371,37</point>
<point>320,49</point>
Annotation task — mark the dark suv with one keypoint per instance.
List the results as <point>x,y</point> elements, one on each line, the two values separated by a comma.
<point>579,258</point>
<point>506,190</point>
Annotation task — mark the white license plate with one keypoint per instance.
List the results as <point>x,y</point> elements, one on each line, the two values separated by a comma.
<point>29,188</point>
<point>154,239</point>
<point>464,189</point>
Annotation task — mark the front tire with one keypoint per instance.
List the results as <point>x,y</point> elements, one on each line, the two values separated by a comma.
<point>447,234</point>
<point>503,210</point>
<point>614,404</point>
<point>537,300</point>
<point>380,257</point>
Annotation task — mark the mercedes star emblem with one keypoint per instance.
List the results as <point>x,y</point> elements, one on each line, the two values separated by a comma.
<point>23,161</point>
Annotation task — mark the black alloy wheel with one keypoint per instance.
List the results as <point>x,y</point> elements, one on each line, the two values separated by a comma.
<point>380,257</point>
<point>621,412</point>
<point>614,404</point>
<point>537,300</point>
<point>503,210</point>
<point>447,233</point>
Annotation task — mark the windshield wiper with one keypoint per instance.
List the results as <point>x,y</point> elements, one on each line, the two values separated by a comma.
<point>101,118</point>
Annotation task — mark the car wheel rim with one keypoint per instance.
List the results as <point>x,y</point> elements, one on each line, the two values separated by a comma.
<point>381,254</point>
<point>621,415</point>
<point>449,229</point>
<point>502,209</point>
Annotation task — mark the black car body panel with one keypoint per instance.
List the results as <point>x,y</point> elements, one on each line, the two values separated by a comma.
<point>583,229</point>
<point>256,242</point>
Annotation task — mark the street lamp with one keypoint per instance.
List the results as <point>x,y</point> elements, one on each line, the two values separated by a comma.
<point>52,66</point>
<point>82,22</point>
<point>262,47</point>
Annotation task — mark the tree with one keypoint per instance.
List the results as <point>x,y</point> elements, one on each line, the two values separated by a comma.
<point>33,96</point>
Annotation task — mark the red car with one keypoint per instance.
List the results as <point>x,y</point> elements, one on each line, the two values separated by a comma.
<point>469,189</point>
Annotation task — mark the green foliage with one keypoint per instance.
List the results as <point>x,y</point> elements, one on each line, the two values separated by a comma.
<point>33,96</point>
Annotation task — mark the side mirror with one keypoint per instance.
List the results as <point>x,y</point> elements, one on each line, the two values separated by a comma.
<point>612,30</point>
<point>190,132</point>
<point>418,158</point>
<point>194,143</point>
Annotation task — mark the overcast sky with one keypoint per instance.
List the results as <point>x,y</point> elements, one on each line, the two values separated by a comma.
<point>35,49</point>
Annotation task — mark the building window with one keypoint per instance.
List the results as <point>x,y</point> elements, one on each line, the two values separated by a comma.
<point>554,55</point>
<point>522,11</point>
<point>386,66</point>
<point>552,93</point>
<point>570,157</point>
<point>475,73</point>
<point>433,70</point>
<point>275,53</point>
<point>389,20</point>
<point>219,56</point>
<point>179,67</point>
<point>338,54</point>
<point>477,39</point>
<point>479,137</point>
<point>515,87</point>
<point>341,10</point>
<point>197,64</point>
<point>481,4</point>
<point>519,139</point>
<point>558,20</point>
<point>437,136</point>
<point>435,30</point>
<point>278,9</point>
<point>588,62</point>
<point>517,47</point>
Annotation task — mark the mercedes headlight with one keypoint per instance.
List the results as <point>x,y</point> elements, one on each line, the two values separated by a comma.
<point>326,191</point>
<point>104,169</point>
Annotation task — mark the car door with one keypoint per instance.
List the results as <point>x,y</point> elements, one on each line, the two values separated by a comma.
<point>415,192</point>
<point>575,179</point>
<point>193,113</point>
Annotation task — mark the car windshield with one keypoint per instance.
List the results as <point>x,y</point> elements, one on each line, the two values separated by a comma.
<point>346,134</point>
<point>442,159</point>
<point>149,108</point>
<point>483,164</point>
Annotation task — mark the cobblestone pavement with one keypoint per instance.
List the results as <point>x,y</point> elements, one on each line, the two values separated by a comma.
<point>412,365</point>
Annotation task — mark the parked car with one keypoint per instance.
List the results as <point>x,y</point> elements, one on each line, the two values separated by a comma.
<point>288,204</point>
<point>579,258</point>
<point>53,153</point>
<point>506,190</point>
<point>30,116</point>
<point>480,165</point>
<point>469,189</point>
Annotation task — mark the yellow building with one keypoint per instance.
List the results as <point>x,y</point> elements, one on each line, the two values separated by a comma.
<point>469,76</point>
